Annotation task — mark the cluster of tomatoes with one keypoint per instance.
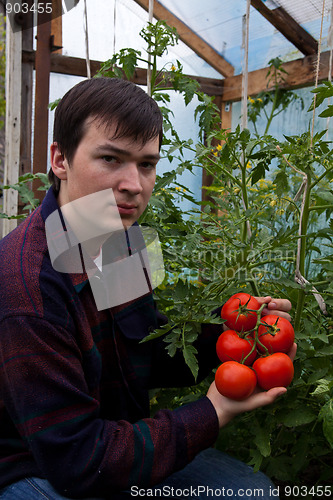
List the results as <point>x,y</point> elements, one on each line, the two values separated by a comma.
<point>253,350</point>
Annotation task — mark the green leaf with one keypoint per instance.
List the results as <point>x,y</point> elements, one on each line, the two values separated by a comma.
<point>299,416</point>
<point>289,283</point>
<point>326,414</point>
<point>262,440</point>
<point>54,104</point>
<point>9,217</point>
<point>327,112</point>
<point>189,353</point>
<point>325,196</point>
<point>128,61</point>
<point>256,460</point>
<point>323,387</point>
<point>281,468</point>
<point>323,92</point>
<point>158,333</point>
<point>189,89</point>
<point>181,291</point>
<point>258,173</point>
<point>281,182</point>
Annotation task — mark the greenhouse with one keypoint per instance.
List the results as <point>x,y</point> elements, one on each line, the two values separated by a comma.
<point>166,249</point>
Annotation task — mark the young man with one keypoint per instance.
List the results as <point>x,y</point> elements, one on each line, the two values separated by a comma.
<point>74,419</point>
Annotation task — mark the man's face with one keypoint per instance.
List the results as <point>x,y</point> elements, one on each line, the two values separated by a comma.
<point>101,163</point>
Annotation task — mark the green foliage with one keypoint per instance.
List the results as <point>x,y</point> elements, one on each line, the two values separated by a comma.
<point>325,91</point>
<point>26,195</point>
<point>54,104</point>
<point>273,101</point>
<point>159,36</point>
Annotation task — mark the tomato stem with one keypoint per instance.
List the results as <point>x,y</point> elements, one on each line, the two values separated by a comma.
<point>256,336</point>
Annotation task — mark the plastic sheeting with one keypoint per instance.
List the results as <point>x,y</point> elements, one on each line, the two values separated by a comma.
<point>115,24</point>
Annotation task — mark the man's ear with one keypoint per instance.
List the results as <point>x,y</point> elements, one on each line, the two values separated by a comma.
<point>59,164</point>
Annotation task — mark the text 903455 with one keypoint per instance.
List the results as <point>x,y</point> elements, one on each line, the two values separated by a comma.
<point>25,7</point>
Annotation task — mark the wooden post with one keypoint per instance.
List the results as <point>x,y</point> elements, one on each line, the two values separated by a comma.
<point>26,101</point>
<point>43,67</point>
<point>226,115</point>
<point>56,26</point>
<point>13,120</point>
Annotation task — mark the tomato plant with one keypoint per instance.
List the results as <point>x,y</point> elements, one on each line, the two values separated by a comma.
<point>239,312</point>
<point>253,235</point>
<point>230,346</point>
<point>235,381</point>
<point>275,370</point>
<point>276,334</point>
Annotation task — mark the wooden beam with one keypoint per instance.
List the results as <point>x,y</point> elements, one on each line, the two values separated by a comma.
<point>76,66</point>
<point>289,28</point>
<point>300,73</point>
<point>13,120</point>
<point>191,39</point>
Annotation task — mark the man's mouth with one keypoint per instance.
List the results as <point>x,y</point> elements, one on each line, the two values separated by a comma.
<point>126,208</point>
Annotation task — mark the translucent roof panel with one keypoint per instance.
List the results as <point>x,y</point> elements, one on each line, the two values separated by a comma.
<point>116,24</point>
<point>220,24</point>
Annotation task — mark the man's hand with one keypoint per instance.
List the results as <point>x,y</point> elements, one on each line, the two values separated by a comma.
<point>280,307</point>
<point>227,409</point>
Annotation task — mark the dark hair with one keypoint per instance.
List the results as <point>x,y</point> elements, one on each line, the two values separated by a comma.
<point>111,101</point>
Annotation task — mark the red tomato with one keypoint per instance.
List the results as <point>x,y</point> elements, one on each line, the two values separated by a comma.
<point>276,370</point>
<point>230,346</point>
<point>277,336</point>
<point>235,312</point>
<point>235,381</point>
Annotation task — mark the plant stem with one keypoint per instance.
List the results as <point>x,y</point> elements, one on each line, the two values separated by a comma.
<point>321,177</point>
<point>302,248</point>
<point>254,287</point>
<point>224,171</point>
<point>269,121</point>
<point>321,207</point>
<point>256,336</point>
<point>246,234</point>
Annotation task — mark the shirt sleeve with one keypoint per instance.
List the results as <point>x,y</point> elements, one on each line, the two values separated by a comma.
<point>47,396</point>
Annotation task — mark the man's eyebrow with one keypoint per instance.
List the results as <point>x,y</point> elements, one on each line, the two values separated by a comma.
<point>115,149</point>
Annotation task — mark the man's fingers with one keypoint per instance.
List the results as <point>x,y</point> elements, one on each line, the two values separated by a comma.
<point>292,352</point>
<point>268,397</point>
<point>280,307</point>
<point>257,399</point>
<point>277,312</point>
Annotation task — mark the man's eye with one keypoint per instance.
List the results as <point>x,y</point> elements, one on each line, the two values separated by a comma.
<point>109,159</point>
<point>147,164</point>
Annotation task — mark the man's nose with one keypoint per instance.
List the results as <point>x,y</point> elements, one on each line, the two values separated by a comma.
<point>130,179</point>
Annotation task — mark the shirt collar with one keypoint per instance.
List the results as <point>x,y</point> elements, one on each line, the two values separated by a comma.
<point>50,205</point>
